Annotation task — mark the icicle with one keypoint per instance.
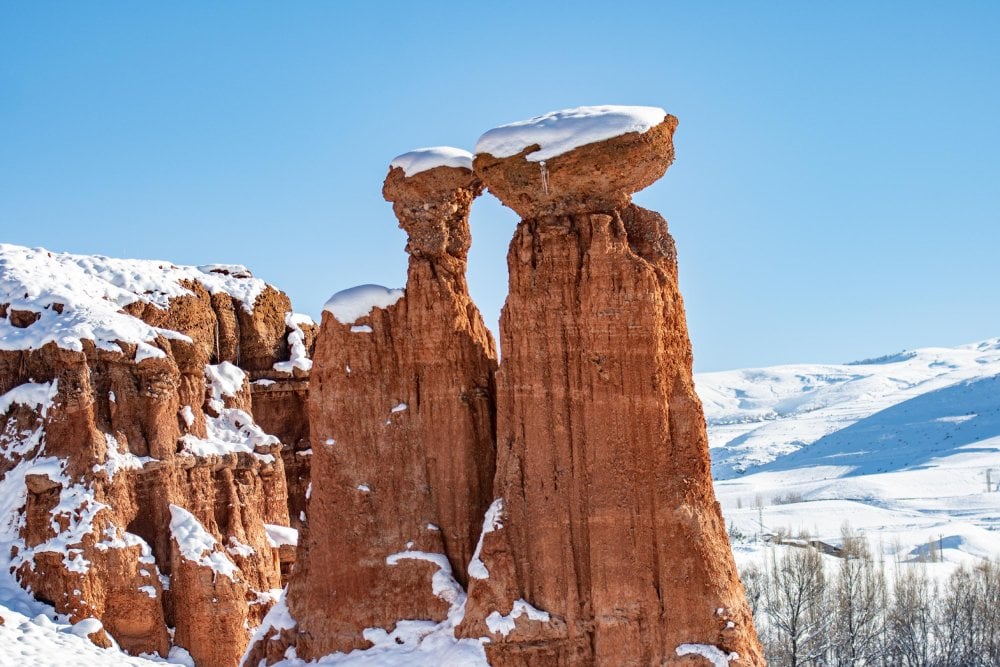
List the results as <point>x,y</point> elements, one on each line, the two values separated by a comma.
<point>545,177</point>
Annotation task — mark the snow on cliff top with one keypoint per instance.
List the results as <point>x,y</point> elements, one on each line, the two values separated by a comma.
<point>559,132</point>
<point>92,290</point>
<point>423,159</point>
<point>350,305</point>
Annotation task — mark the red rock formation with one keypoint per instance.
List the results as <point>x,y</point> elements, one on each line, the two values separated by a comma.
<point>401,417</point>
<point>120,399</point>
<point>606,545</point>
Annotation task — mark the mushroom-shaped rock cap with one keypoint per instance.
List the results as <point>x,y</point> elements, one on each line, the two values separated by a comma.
<point>428,174</point>
<point>431,190</point>
<point>587,159</point>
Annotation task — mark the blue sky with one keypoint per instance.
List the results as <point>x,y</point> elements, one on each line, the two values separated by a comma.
<point>836,192</point>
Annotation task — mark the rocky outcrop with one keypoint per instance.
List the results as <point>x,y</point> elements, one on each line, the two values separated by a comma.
<point>401,412</point>
<point>605,544</point>
<point>125,404</point>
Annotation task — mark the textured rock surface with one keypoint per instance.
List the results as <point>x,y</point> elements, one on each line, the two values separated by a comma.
<point>607,546</point>
<point>102,440</point>
<point>401,414</point>
<point>280,406</point>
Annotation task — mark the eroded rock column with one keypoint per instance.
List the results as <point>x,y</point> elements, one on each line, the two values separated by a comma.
<point>605,545</point>
<point>401,417</point>
<point>121,405</point>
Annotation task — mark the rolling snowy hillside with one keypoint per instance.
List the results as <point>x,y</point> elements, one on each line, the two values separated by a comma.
<point>758,415</point>
<point>902,448</point>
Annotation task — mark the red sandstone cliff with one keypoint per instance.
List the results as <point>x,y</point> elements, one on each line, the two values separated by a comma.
<point>401,417</point>
<point>145,485</point>
<point>605,545</point>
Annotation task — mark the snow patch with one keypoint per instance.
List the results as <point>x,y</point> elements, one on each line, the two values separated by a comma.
<point>298,357</point>
<point>225,379</point>
<point>443,584</point>
<point>145,351</point>
<point>713,654</point>
<point>198,545</point>
<point>86,627</point>
<point>278,618</point>
<point>237,548</point>
<point>281,535</point>
<point>350,305</point>
<point>232,430</point>
<point>116,461</point>
<point>37,395</point>
<point>504,625</point>
<point>492,521</point>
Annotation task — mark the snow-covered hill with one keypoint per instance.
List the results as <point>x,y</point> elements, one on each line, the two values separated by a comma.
<point>902,448</point>
<point>758,415</point>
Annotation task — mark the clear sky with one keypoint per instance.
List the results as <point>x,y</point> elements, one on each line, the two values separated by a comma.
<point>836,192</point>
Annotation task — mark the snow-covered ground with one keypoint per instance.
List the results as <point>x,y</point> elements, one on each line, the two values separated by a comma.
<point>900,447</point>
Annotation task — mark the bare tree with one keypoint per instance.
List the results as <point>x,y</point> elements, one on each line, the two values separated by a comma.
<point>857,616</point>
<point>910,618</point>
<point>858,598</point>
<point>794,601</point>
<point>968,616</point>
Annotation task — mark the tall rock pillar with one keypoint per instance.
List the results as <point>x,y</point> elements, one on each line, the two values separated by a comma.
<point>401,411</point>
<point>605,544</point>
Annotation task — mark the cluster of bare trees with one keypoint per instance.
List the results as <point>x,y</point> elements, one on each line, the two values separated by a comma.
<point>856,612</point>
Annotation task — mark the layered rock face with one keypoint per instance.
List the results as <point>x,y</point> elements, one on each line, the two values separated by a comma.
<point>605,545</point>
<point>401,413</point>
<point>136,487</point>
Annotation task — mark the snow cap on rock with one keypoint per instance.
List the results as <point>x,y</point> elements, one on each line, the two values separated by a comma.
<point>583,160</point>
<point>350,305</point>
<point>559,132</point>
<point>424,159</point>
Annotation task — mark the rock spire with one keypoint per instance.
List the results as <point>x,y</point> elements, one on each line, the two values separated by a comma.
<point>605,544</point>
<point>401,412</point>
